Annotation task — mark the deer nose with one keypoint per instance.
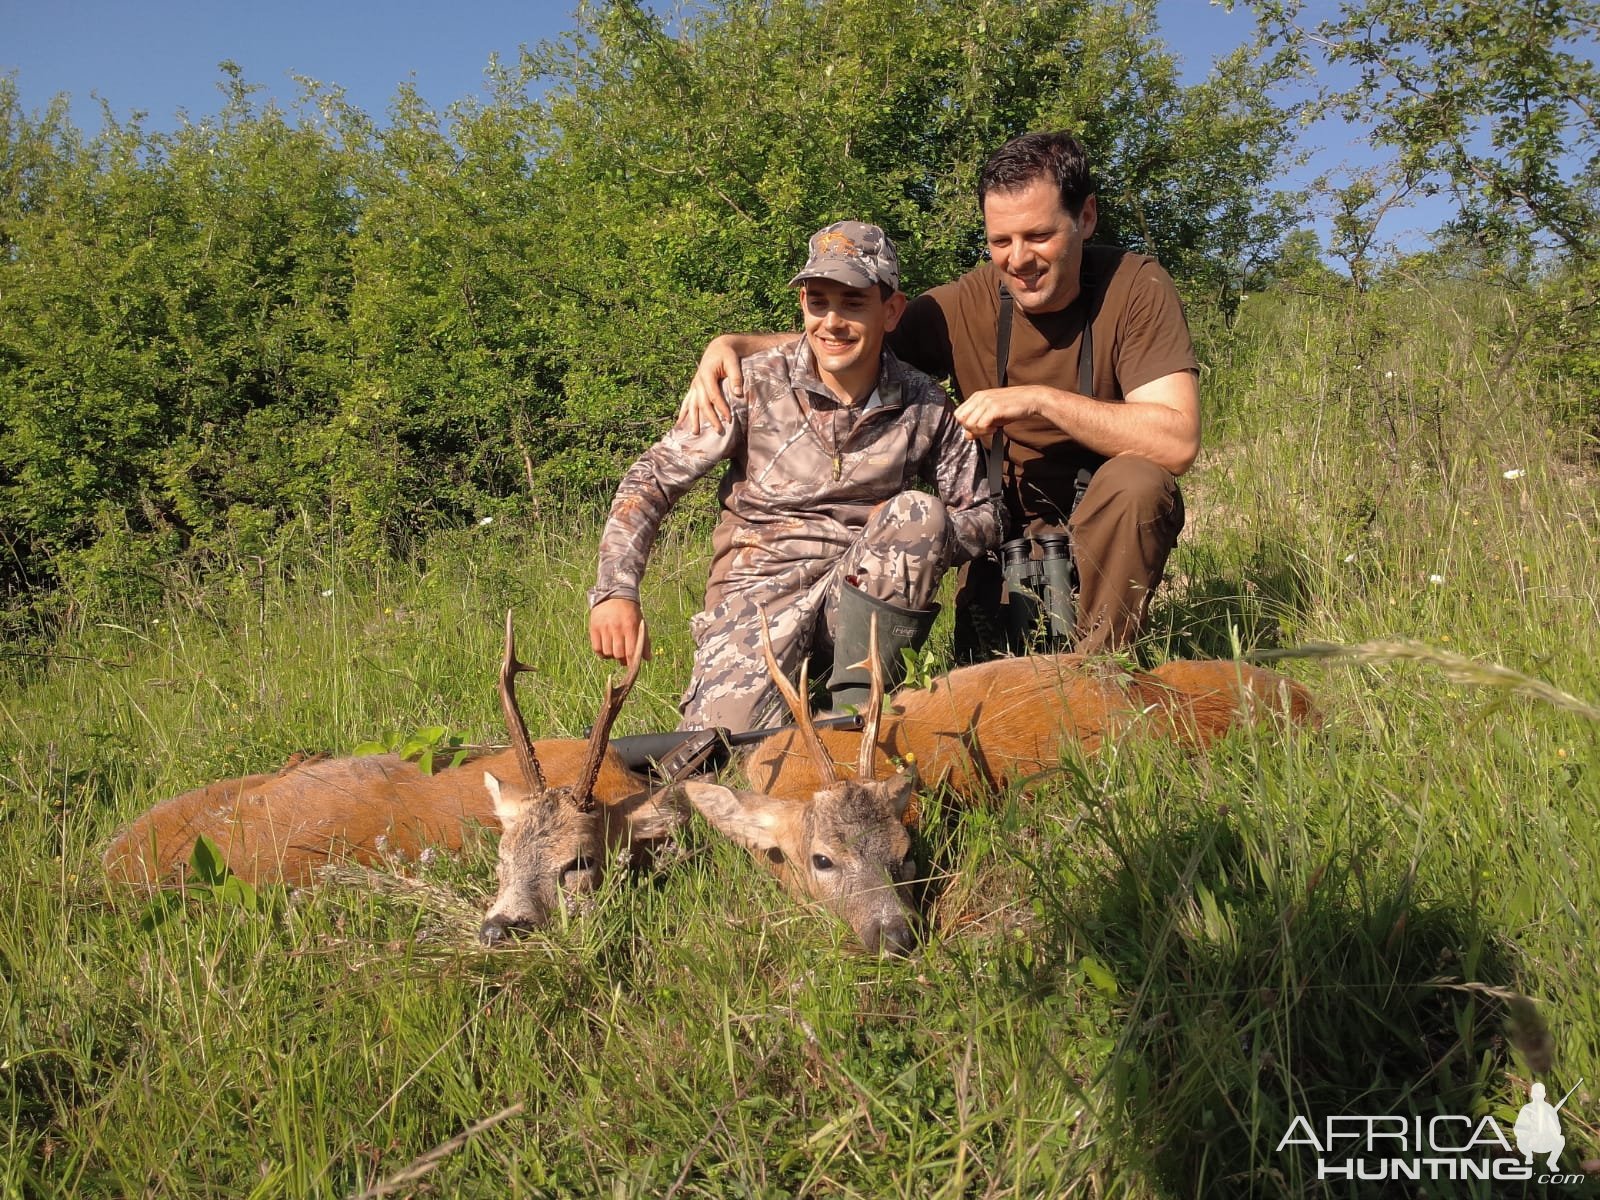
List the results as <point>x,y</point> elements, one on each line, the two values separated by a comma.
<point>495,931</point>
<point>890,936</point>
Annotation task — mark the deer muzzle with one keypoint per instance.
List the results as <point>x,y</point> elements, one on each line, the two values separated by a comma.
<point>889,935</point>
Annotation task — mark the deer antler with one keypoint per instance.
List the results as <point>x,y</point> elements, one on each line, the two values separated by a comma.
<point>799,705</point>
<point>616,693</point>
<point>518,728</point>
<point>874,708</point>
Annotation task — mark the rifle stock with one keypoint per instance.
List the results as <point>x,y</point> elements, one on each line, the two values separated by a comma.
<point>654,753</point>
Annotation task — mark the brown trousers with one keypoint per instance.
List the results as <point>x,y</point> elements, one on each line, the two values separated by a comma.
<point>1122,532</point>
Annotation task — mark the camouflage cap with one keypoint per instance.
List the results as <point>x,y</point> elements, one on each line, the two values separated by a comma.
<point>852,253</point>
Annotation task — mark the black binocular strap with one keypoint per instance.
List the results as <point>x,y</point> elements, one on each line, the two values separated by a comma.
<point>1002,354</point>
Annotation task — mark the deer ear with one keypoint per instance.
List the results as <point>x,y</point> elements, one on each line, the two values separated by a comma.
<point>901,788</point>
<point>657,816</point>
<point>503,808</point>
<point>752,819</point>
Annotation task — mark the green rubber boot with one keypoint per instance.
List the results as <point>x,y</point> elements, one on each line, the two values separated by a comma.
<point>850,682</point>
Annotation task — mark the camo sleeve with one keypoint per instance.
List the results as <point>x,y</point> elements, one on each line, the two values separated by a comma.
<point>959,477</point>
<point>647,493</point>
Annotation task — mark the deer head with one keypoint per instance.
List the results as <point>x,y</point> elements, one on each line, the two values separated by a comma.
<point>847,847</point>
<point>553,840</point>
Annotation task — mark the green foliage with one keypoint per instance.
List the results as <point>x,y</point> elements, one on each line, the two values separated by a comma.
<point>1492,101</point>
<point>1298,267</point>
<point>208,880</point>
<point>421,745</point>
<point>1132,974</point>
<point>886,112</point>
<point>171,309</point>
<point>269,331</point>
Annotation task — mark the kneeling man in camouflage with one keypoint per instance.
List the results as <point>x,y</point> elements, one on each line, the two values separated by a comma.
<point>821,522</point>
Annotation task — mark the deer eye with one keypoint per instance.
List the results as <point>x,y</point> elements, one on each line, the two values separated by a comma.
<point>821,862</point>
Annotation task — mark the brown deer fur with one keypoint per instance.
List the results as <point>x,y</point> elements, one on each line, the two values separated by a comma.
<point>982,727</point>
<point>978,728</point>
<point>284,826</point>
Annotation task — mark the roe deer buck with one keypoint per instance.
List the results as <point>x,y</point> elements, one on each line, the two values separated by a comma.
<point>983,727</point>
<point>976,729</point>
<point>554,839</point>
<point>282,827</point>
<point>845,846</point>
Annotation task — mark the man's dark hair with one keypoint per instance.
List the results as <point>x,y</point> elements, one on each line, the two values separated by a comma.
<point>1056,157</point>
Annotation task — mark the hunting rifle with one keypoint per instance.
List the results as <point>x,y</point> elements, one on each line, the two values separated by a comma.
<point>671,755</point>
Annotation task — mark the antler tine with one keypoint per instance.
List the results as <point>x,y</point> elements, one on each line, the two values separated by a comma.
<point>799,704</point>
<point>600,735</point>
<point>874,709</point>
<point>515,725</point>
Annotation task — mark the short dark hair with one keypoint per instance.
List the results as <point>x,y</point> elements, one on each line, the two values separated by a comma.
<point>1057,157</point>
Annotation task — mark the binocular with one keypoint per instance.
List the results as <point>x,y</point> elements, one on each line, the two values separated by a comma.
<point>1041,610</point>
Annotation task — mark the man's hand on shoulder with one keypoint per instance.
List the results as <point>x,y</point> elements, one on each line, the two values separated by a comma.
<point>704,404</point>
<point>615,626</point>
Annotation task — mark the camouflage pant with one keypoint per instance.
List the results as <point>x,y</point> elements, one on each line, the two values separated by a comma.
<point>898,556</point>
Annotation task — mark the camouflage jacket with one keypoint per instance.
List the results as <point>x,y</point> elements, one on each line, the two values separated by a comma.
<point>804,472</point>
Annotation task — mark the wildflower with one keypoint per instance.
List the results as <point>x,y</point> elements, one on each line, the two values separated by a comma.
<point>1513,473</point>
<point>1350,558</point>
<point>327,592</point>
<point>482,521</point>
<point>1388,374</point>
<point>1435,579</point>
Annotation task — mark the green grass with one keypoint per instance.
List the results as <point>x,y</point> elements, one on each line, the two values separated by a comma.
<point>1130,981</point>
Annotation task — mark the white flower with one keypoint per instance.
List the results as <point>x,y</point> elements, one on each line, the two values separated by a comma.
<point>485,521</point>
<point>1350,558</point>
<point>1514,473</point>
<point>1388,374</point>
<point>327,591</point>
<point>1435,578</point>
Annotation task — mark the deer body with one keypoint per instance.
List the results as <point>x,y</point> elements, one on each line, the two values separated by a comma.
<point>983,727</point>
<point>978,729</point>
<point>836,840</point>
<point>281,827</point>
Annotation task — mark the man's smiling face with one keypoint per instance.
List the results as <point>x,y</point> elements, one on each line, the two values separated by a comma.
<point>845,326</point>
<point>1036,244</point>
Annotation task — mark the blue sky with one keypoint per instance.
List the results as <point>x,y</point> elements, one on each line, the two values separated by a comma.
<point>161,56</point>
